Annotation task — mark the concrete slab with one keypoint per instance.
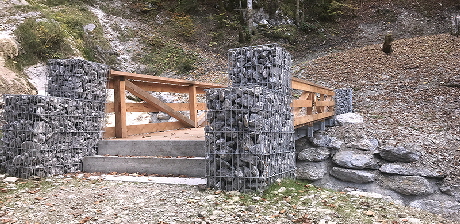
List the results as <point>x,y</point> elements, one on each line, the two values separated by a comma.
<point>155,147</point>
<point>190,167</point>
<point>158,180</point>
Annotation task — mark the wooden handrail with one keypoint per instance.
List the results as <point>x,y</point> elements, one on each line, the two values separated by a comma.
<point>314,104</point>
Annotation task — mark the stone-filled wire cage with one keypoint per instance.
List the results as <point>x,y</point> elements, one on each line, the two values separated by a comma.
<point>265,65</point>
<point>49,135</point>
<point>249,137</point>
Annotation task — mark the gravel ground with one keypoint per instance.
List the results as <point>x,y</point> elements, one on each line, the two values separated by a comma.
<point>410,97</point>
<point>92,200</point>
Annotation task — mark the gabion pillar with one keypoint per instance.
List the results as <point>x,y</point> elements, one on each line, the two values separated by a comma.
<point>49,135</point>
<point>249,136</point>
<point>343,101</point>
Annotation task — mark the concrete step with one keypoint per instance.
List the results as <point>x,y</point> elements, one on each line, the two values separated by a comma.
<point>191,167</point>
<point>174,148</point>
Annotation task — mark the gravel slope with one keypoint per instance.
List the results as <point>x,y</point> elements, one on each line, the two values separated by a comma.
<point>409,97</point>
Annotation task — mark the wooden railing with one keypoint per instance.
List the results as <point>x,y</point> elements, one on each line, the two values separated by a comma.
<point>315,103</point>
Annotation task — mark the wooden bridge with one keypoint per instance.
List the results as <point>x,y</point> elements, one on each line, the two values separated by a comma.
<point>129,149</point>
<point>312,103</point>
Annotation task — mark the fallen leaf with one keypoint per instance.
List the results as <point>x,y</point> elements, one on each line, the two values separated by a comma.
<point>369,213</point>
<point>86,219</point>
<point>283,211</point>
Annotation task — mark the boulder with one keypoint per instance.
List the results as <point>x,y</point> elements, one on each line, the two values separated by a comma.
<point>366,144</point>
<point>314,154</point>
<point>406,169</point>
<point>320,139</point>
<point>409,185</point>
<point>452,190</point>
<point>399,154</point>
<point>355,160</point>
<point>311,170</point>
<point>354,176</point>
<point>349,118</point>
<point>438,204</point>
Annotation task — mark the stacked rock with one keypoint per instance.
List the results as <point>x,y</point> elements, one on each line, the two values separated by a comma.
<point>49,135</point>
<point>249,136</point>
<point>77,79</point>
<point>343,101</point>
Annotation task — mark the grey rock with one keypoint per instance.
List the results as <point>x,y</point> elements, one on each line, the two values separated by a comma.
<point>399,154</point>
<point>355,176</point>
<point>311,170</point>
<point>348,118</point>
<point>320,139</point>
<point>314,154</point>
<point>89,27</point>
<point>409,185</point>
<point>452,190</point>
<point>366,144</point>
<point>355,160</point>
<point>438,204</point>
<point>406,169</point>
<point>163,116</point>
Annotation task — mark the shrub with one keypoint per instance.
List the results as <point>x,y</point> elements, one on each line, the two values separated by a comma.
<point>42,40</point>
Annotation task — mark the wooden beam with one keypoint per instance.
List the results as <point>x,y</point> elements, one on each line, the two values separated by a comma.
<point>151,78</point>
<point>201,119</point>
<point>145,128</point>
<point>309,87</point>
<point>304,120</point>
<point>192,104</point>
<point>135,90</point>
<point>120,107</point>
<point>325,103</point>
<point>145,107</point>
<point>154,127</point>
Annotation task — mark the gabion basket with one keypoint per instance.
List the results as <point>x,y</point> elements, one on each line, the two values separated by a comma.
<point>46,135</point>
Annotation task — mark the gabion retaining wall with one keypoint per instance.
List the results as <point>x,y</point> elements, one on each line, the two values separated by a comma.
<point>49,135</point>
<point>77,79</point>
<point>250,132</point>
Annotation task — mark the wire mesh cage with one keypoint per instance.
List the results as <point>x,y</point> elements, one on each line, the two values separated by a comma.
<point>249,138</point>
<point>77,79</point>
<point>45,135</point>
<point>263,65</point>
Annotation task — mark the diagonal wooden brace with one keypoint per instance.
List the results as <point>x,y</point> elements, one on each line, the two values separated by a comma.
<point>137,91</point>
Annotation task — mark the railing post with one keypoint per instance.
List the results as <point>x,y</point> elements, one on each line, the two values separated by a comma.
<point>193,104</point>
<point>121,130</point>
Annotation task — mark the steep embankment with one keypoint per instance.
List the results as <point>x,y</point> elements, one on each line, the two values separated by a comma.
<point>409,97</point>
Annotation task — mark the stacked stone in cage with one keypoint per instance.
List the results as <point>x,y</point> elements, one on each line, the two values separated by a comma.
<point>264,65</point>
<point>77,79</point>
<point>249,136</point>
<point>46,135</point>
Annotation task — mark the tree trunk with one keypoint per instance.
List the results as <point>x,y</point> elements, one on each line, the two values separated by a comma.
<point>250,19</point>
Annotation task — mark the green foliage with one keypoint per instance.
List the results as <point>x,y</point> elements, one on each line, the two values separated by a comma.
<point>183,25</point>
<point>41,40</point>
<point>165,56</point>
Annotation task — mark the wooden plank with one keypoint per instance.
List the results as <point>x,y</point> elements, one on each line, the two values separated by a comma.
<point>145,107</point>
<point>135,90</point>
<point>312,88</point>
<point>294,79</point>
<point>325,103</point>
<point>192,104</point>
<point>154,127</point>
<point>109,132</point>
<point>150,78</point>
<point>120,107</point>
<point>201,119</point>
<point>301,103</point>
<point>304,120</point>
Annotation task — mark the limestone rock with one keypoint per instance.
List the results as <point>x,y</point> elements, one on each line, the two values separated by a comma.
<point>314,154</point>
<point>163,116</point>
<point>399,154</point>
<point>409,185</point>
<point>320,139</point>
<point>438,204</point>
<point>366,144</point>
<point>355,160</point>
<point>349,118</point>
<point>355,176</point>
<point>311,170</point>
<point>409,170</point>
<point>452,190</point>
